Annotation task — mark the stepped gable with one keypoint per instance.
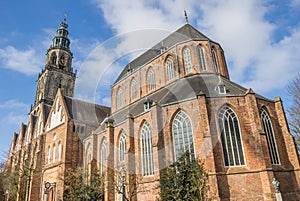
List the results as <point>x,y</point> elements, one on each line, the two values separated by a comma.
<point>89,113</point>
<point>183,34</point>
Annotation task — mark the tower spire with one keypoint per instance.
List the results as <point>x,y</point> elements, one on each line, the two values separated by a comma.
<point>186,17</point>
<point>61,38</point>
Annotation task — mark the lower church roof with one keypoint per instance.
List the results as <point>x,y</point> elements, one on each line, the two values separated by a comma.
<point>181,90</point>
<point>86,112</point>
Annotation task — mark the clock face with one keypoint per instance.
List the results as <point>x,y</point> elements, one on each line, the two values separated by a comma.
<point>62,62</point>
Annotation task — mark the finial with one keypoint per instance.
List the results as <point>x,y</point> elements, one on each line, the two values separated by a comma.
<point>186,17</point>
<point>65,17</point>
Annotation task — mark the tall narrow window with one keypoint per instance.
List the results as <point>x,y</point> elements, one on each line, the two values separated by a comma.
<point>215,60</point>
<point>88,162</point>
<point>133,89</point>
<point>88,154</point>
<point>122,146</point>
<point>53,58</point>
<point>119,97</point>
<point>151,80</point>
<point>268,128</point>
<point>59,151</point>
<point>201,59</point>
<point>54,153</point>
<point>146,148</point>
<point>187,60</point>
<point>183,138</point>
<point>103,156</point>
<point>231,138</point>
<point>49,155</point>
<point>170,70</point>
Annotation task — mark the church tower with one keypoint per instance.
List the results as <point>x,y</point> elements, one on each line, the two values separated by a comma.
<point>58,72</point>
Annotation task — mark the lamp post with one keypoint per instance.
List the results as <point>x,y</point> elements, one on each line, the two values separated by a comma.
<point>275,183</point>
<point>122,178</point>
<point>7,195</point>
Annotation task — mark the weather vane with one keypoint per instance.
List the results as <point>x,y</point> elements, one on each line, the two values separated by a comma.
<point>65,17</point>
<point>186,17</point>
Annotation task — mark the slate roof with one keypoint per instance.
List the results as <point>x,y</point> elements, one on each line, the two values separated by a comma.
<point>47,109</point>
<point>89,113</point>
<point>184,33</point>
<point>183,89</point>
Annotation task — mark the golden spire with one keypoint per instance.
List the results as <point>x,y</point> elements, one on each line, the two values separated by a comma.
<point>186,17</point>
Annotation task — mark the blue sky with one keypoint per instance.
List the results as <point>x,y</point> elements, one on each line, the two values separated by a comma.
<point>261,40</point>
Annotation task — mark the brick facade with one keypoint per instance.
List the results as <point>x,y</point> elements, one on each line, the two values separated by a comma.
<point>200,94</point>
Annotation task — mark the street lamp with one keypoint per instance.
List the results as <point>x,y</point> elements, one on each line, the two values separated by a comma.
<point>122,178</point>
<point>7,195</point>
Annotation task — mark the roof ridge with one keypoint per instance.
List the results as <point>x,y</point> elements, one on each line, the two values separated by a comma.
<point>83,101</point>
<point>182,34</point>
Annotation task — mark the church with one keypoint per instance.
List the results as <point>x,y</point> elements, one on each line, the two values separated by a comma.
<point>175,97</point>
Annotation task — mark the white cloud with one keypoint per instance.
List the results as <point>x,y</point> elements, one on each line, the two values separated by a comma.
<point>13,104</point>
<point>11,115</point>
<point>24,61</point>
<point>295,3</point>
<point>246,36</point>
<point>254,59</point>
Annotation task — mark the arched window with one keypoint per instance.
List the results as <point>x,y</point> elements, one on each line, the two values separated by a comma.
<point>183,138</point>
<point>122,146</point>
<point>231,138</point>
<point>201,59</point>
<point>187,60</point>
<point>88,154</point>
<point>268,128</point>
<point>54,153</point>
<point>151,80</point>
<point>88,158</point>
<point>119,97</point>
<point>170,70</point>
<point>133,89</point>
<point>49,155</point>
<point>146,149</point>
<point>215,61</point>
<point>103,156</point>
<point>59,151</point>
<point>53,58</point>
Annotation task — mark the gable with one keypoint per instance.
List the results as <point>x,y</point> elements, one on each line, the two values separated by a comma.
<point>57,115</point>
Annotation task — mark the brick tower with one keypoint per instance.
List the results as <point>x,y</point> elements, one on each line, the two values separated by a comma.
<point>58,72</point>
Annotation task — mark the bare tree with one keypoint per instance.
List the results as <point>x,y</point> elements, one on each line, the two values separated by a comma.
<point>294,108</point>
<point>128,186</point>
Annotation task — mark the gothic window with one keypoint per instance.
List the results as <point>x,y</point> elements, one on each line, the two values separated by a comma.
<point>170,70</point>
<point>201,58</point>
<point>215,61</point>
<point>151,80</point>
<point>122,146</point>
<point>103,156</point>
<point>183,138</point>
<point>231,138</point>
<point>88,160</point>
<point>59,151</point>
<point>268,128</point>
<point>54,153</point>
<point>187,60</point>
<point>119,97</point>
<point>133,89</point>
<point>146,149</point>
<point>53,58</point>
<point>49,155</point>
